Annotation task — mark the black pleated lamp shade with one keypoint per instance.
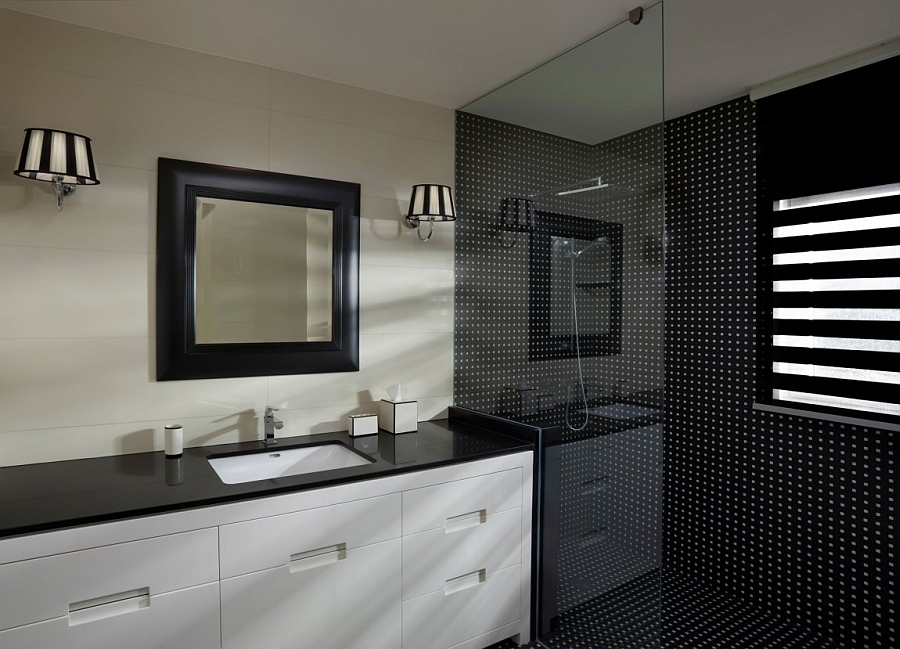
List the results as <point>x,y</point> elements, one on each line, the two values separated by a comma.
<point>49,155</point>
<point>431,203</point>
<point>517,214</point>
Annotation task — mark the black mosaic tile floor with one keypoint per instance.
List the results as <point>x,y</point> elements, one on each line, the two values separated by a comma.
<point>693,616</point>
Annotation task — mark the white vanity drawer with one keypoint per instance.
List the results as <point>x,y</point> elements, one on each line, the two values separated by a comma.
<point>278,540</point>
<point>349,602</point>
<point>185,618</point>
<point>48,587</point>
<point>462,546</point>
<point>463,610</point>
<point>429,508</point>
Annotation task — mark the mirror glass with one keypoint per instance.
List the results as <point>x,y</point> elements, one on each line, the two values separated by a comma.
<point>263,272</point>
<point>584,266</point>
<point>257,273</point>
<point>574,264</point>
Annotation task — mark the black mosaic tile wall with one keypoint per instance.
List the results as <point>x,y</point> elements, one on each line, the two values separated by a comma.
<point>495,160</point>
<point>795,515</point>
<point>609,473</point>
<point>788,519</point>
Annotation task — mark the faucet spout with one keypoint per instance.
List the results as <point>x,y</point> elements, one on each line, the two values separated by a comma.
<point>271,425</point>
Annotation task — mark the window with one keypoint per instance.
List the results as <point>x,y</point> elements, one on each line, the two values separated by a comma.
<point>836,300</point>
<point>829,247</point>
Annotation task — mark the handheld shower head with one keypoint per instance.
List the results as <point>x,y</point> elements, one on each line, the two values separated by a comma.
<point>593,243</point>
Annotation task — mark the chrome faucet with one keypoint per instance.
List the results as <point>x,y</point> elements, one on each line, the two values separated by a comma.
<point>272,424</point>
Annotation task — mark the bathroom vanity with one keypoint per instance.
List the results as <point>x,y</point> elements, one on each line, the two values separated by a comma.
<point>598,501</point>
<point>426,546</point>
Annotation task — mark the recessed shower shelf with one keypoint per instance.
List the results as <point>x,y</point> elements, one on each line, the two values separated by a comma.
<point>590,287</point>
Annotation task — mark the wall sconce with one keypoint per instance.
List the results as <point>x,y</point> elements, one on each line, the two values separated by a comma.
<point>517,214</point>
<point>429,203</point>
<point>59,157</point>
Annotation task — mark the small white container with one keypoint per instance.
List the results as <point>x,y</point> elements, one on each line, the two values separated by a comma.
<point>174,440</point>
<point>399,416</point>
<point>363,425</point>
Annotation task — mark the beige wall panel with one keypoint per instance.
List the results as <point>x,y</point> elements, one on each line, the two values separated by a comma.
<point>395,299</point>
<point>385,241</point>
<point>112,216</point>
<point>59,46</point>
<point>338,102</point>
<point>387,165</point>
<point>77,306</point>
<point>60,382</point>
<point>43,293</point>
<point>131,126</point>
<point>422,362</point>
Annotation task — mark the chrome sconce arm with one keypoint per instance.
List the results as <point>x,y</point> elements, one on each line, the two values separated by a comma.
<point>416,224</point>
<point>62,189</point>
<point>59,157</point>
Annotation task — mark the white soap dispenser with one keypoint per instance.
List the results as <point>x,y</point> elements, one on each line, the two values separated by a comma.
<point>174,440</point>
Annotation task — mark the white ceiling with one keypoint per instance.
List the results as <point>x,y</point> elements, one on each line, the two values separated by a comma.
<point>450,52</point>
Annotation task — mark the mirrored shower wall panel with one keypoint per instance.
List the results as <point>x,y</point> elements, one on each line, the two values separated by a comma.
<point>560,314</point>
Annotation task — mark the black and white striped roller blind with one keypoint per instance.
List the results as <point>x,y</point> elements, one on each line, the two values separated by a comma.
<point>836,300</point>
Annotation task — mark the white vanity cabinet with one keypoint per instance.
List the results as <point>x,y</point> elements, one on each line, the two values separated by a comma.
<point>431,559</point>
<point>327,578</point>
<point>158,592</point>
<point>462,561</point>
<point>612,489</point>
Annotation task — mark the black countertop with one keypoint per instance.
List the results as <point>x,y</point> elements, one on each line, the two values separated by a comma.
<point>606,418</point>
<point>54,495</point>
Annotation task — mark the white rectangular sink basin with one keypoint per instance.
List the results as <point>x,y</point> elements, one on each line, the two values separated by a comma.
<point>280,463</point>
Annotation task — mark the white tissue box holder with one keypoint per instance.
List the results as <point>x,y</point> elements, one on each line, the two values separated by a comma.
<point>363,425</point>
<point>399,416</point>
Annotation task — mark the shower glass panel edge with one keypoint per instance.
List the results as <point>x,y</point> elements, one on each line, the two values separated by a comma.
<point>575,144</point>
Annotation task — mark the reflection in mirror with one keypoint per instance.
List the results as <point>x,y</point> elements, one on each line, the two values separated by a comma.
<point>584,268</point>
<point>574,264</point>
<point>263,272</point>
<point>581,139</point>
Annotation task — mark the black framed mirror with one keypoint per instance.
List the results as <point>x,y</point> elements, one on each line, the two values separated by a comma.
<point>257,273</point>
<point>576,259</point>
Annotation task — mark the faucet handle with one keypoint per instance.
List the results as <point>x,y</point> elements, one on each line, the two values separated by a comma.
<point>270,410</point>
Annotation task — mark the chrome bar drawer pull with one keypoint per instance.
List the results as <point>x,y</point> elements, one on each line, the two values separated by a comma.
<point>465,521</point>
<point>100,608</point>
<point>469,580</point>
<point>318,557</point>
